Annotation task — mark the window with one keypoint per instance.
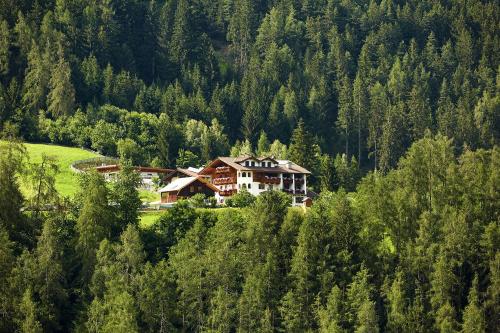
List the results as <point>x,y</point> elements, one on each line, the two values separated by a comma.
<point>247,163</point>
<point>239,174</point>
<point>199,188</point>
<point>244,186</point>
<point>253,163</point>
<point>262,187</point>
<point>239,186</point>
<point>191,189</point>
<point>249,186</point>
<point>244,174</point>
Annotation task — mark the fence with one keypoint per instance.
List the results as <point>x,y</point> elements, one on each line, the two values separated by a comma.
<point>82,165</point>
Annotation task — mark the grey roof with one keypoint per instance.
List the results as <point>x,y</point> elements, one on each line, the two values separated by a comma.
<point>284,166</point>
<point>178,184</point>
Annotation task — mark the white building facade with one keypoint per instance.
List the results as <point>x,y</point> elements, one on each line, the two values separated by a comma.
<point>256,175</point>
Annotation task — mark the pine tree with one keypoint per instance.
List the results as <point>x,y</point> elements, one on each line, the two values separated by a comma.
<point>346,112</point>
<point>263,144</point>
<point>397,321</point>
<point>378,107</point>
<point>126,195</point>
<point>300,150</point>
<point>157,297</point>
<point>419,105</point>
<point>361,107</point>
<point>367,321</point>
<point>42,177</point>
<point>94,223</point>
<point>240,30</point>
<point>27,307</point>
<point>36,81</point>
<point>61,98</point>
<point>4,47</point>
<point>12,156</point>
<point>51,279</point>
<point>331,317</point>
<point>473,317</point>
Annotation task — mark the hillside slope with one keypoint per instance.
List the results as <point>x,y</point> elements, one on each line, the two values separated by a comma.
<point>67,180</point>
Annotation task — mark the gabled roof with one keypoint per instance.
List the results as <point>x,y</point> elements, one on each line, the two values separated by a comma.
<point>181,183</point>
<point>284,166</point>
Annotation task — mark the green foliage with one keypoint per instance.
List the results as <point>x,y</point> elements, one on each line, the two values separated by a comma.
<point>126,196</point>
<point>410,88</point>
<point>241,199</point>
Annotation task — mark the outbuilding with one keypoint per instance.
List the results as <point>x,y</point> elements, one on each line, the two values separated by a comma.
<point>183,188</point>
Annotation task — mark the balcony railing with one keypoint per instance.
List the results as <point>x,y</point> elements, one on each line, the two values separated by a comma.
<point>267,180</point>
<point>224,180</point>
<point>227,193</point>
<point>222,169</point>
<point>286,190</point>
<point>300,192</point>
<point>287,181</point>
<point>299,181</point>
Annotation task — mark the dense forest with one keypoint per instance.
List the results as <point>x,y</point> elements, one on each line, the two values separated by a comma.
<point>414,250</point>
<point>178,82</point>
<point>393,105</point>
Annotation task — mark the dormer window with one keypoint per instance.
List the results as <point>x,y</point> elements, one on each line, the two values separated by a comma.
<point>253,163</point>
<point>247,163</point>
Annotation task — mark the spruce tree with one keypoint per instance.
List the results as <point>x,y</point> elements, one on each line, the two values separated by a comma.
<point>27,307</point>
<point>5,41</point>
<point>126,195</point>
<point>94,223</point>
<point>473,316</point>
<point>61,98</point>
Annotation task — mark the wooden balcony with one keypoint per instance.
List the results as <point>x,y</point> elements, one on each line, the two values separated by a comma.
<point>267,180</point>
<point>227,193</point>
<point>222,169</point>
<point>224,180</point>
<point>299,181</point>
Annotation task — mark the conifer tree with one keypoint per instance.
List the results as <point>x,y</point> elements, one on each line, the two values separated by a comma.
<point>27,307</point>
<point>36,83</point>
<point>51,279</point>
<point>361,107</point>
<point>263,144</point>
<point>61,98</point>
<point>126,195</point>
<point>12,156</point>
<point>367,321</point>
<point>300,150</point>
<point>5,41</point>
<point>94,223</point>
<point>331,317</point>
<point>473,317</point>
<point>396,320</point>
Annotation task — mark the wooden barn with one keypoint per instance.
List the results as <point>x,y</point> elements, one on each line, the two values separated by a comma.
<point>183,188</point>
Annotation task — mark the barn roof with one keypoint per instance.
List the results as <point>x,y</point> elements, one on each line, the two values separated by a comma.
<point>181,183</point>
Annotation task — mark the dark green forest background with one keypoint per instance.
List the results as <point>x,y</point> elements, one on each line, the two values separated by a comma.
<point>179,82</point>
<point>407,88</point>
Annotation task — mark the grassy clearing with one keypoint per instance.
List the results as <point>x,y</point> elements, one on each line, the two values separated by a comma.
<point>149,196</point>
<point>66,180</point>
<point>147,219</point>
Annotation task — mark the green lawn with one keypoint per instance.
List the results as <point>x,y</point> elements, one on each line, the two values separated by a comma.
<point>149,218</point>
<point>67,180</point>
<point>149,196</point>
